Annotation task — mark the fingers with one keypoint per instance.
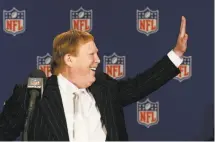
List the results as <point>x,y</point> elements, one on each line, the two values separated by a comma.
<point>183,27</point>
<point>185,38</point>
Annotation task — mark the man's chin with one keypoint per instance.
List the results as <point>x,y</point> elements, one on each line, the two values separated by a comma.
<point>93,79</point>
<point>90,82</point>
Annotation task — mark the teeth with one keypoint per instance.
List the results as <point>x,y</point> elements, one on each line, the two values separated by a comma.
<point>93,69</point>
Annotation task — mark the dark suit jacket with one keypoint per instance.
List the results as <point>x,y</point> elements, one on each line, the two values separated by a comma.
<point>111,96</point>
<point>13,115</point>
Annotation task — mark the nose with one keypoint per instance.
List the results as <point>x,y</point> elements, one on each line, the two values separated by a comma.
<point>97,60</point>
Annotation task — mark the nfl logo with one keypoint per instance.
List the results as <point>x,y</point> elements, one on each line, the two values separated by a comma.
<point>81,19</point>
<point>114,66</point>
<point>147,21</point>
<point>43,63</point>
<point>185,68</point>
<point>34,82</point>
<point>14,21</point>
<point>148,113</point>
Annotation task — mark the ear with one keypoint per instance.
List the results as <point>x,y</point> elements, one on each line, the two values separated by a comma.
<point>69,60</point>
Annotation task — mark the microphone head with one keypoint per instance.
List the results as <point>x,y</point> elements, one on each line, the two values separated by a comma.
<point>36,81</point>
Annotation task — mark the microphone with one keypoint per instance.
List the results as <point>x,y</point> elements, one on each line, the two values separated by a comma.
<point>35,87</point>
<point>36,82</point>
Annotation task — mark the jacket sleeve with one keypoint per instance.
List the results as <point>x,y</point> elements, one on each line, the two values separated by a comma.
<point>12,117</point>
<point>134,89</point>
<point>38,130</point>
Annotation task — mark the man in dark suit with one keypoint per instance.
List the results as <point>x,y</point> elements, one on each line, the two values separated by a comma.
<point>80,104</point>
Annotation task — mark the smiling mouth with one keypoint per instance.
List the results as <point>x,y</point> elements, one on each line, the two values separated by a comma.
<point>93,69</point>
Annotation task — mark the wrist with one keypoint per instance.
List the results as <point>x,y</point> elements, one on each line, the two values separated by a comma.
<point>179,53</point>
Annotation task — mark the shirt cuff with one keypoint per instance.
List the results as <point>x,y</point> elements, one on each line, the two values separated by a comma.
<point>175,58</point>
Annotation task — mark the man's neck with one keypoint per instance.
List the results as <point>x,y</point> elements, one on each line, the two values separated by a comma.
<point>70,79</point>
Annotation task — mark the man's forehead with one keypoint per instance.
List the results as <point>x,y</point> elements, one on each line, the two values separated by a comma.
<point>91,46</point>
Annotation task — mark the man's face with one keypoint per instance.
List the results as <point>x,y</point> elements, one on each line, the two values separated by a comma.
<point>85,63</point>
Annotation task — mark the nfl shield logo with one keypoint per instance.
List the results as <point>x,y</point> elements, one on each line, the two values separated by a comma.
<point>81,19</point>
<point>14,21</point>
<point>34,82</point>
<point>114,66</point>
<point>148,113</point>
<point>43,63</point>
<point>185,68</point>
<point>147,21</point>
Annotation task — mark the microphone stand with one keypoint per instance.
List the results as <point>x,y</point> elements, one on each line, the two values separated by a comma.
<point>30,111</point>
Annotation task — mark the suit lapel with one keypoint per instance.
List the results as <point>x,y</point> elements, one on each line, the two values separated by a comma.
<point>52,108</point>
<point>96,91</point>
<point>99,93</point>
<point>102,95</point>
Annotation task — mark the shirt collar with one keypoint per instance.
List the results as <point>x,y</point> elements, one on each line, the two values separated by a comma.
<point>68,86</point>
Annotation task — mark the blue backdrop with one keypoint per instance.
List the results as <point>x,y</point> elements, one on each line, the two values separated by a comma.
<point>139,32</point>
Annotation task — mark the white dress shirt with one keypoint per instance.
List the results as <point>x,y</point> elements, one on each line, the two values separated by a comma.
<point>89,117</point>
